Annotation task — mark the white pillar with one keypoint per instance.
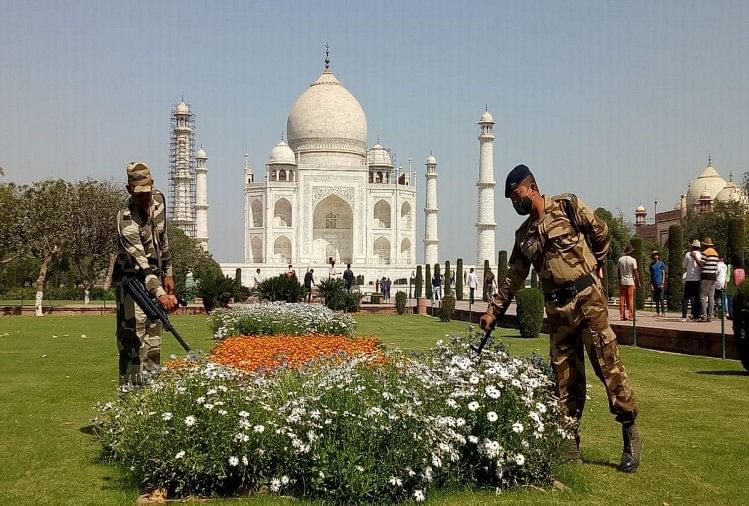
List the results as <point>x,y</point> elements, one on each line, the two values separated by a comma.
<point>431,237</point>
<point>485,223</point>
<point>201,198</point>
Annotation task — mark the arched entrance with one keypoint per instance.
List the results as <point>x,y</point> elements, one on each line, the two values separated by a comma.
<point>332,230</point>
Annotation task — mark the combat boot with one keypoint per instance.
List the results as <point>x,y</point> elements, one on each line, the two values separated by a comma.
<point>572,450</point>
<point>632,448</point>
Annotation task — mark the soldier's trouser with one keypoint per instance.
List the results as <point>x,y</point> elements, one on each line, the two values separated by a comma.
<point>582,324</point>
<point>138,341</point>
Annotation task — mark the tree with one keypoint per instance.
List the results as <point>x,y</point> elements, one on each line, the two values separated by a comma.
<point>10,206</point>
<point>419,282</point>
<point>675,286</point>
<point>95,236</point>
<point>736,243</point>
<point>44,226</point>
<point>459,279</point>
<point>637,254</point>
<point>187,255</point>
<point>619,230</point>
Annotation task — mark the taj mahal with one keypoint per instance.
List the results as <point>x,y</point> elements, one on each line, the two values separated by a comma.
<point>326,195</point>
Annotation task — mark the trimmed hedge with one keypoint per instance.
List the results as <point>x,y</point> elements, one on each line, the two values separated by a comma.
<point>459,279</point>
<point>419,282</point>
<point>447,308</point>
<point>400,302</point>
<point>530,307</point>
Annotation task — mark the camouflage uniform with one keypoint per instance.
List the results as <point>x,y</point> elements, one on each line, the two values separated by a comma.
<point>144,253</point>
<point>564,247</point>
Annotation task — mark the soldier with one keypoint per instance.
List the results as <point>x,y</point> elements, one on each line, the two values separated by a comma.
<point>567,245</point>
<point>144,253</point>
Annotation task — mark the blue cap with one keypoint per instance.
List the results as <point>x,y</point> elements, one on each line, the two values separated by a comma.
<point>515,177</point>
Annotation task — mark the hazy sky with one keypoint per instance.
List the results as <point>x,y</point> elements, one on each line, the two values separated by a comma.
<point>619,102</point>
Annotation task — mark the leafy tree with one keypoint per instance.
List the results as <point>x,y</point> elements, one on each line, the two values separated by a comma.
<point>187,255</point>
<point>619,230</point>
<point>448,278</point>
<point>675,286</point>
<point>94,240</point>
<point>10,206</point>
<point>419,282</point>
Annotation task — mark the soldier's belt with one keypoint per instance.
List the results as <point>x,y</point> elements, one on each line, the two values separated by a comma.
<point>563,295</point>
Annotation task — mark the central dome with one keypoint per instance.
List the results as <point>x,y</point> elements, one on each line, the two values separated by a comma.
<point>327,118</point>
<point>709,181</point>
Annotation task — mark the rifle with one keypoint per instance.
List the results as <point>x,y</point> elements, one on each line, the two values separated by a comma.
<point>149,305</point>
<point>487,334</point>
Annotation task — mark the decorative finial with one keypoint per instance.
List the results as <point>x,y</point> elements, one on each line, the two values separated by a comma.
<point>246,160</point>
<point>730,176</point>
<point>183,97</point>
<point>709,160</point>
<point>486,108</point>
<point>378,138</point>
<point>327,57</point>
<point>282,136</point>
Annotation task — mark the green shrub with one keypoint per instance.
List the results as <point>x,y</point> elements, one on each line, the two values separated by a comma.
<point>400,302</point>
<point>446,288</point>
<point>636,243</point>
<point>280,288</point>
<point>530,308</point>
<point>459,279</point>
<point>447,308</point>
<point>344,301</point>
<point>216,290</point>
<point>419,283</point>
<point>486,288</point>
<point>675,286</point>
<point>328,288</point>
<point>24,293</point>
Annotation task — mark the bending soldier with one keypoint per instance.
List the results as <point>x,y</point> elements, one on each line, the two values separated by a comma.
<point>567,245</point>
<point>144,253</point>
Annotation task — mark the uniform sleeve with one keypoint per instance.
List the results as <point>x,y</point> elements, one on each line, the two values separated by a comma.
<point>595,228</point>
<point>129,233</point>
<point>166,254</point>
<point>519,266</point>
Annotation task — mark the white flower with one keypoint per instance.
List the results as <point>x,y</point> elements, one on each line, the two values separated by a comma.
<point>517,427</point>
<point>200,400</point>
<point>396,482</point>
<point>179,455</point>
<point>541,408</point>
<point>222,412</point>
<point>419,496</point>
<point>473,439</point>
<point>284,480</point>
<point>233,461</point>
<point>520,459</point>
<point>515,382</point>
<point>244,414</point>
<point>473,405</point>
<point>473,380</point>
<point>245,461</point>
<point>275,485</point>
<point>492,392</point>
<point>436,461</point>
<point>359,468</point>
<point>166,416</point>
<point>492,416</point>
<point>190,421</point>
<point>451,403</point>
<point>258,428</point>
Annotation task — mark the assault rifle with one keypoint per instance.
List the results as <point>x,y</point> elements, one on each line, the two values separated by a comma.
<point>149,305</point>
<point>487,335</point>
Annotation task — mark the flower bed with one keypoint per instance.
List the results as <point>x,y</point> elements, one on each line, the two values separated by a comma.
<point>345,431</point>
<point>279,318</point>
<point>271,352</point>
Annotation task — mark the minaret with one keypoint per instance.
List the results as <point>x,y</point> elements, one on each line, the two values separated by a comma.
<point>431,239</point>
<point>485,224</point>
<point>182,169</point>
<point>201,199</point>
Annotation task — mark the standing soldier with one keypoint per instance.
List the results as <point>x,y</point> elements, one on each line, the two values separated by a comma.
<point>567,245</point>
<point>143,253</point>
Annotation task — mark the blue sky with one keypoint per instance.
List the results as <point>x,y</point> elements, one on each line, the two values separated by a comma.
<point>619,102</point>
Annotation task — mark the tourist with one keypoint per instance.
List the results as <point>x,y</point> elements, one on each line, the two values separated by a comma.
<point>309,282</point>
<point>473,282</point>
<point>720,286</point>
<point>387,289</point>
<point>657,282</point>
<point>331,271</point>
<point>143,254</point>
<point>490,285</point>
<point>708,277</point>
<point>691,266</point>
<point>256,279</point>
<point>348,278</point>
<point>436,287</point>
<point>629,279</point>
<point>569,252</point>
<point>377,286</point>
<point>735,279</point>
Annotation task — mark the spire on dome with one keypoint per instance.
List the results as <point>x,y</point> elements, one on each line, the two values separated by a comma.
<point>327,57</point>
<point>709,160</point>
<point>246,161</point>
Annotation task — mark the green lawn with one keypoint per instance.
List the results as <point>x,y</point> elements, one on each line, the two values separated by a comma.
<point>694,418</point>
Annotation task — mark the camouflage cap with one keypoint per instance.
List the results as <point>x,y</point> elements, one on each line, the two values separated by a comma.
<point>515,177</point>
<point>139,177</point>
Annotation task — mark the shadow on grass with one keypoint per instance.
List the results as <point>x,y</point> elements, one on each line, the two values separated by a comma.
<point>723,373</point>
<point>601,463</point>
<point>89,430</point>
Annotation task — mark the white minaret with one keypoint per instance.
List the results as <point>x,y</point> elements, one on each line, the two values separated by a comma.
<point>201,198</point>
<point>431,239</point>
<point>182,170</point>
<point>485,224</point>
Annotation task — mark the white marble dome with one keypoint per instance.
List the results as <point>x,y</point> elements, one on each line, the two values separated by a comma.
<point>281,154</point>
<point>378,156</point>
<point>431,160</point>
<point>732,193</point>
<point>327,117</point>
<point>486,118</point>
<point>708,182</point>
<point>201,154</point>
<point>182,108</point>
<point>640,209</point>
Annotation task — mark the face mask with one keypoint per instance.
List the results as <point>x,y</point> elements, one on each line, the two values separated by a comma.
<point>523,205</point>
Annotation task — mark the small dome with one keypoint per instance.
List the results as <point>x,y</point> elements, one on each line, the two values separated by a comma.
<point>201,154</point>
<point>431,160</point>
<point>281,154</point>
<point>486,118</point>
<point>709,181</point>
<point>705,195</point>
<point>182,108</point>
<point>378,156</point>
<point>732,193</point>
<point>640,209</point>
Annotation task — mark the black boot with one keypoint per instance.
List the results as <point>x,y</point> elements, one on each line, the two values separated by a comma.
<point>572,451</point>
<point>632,448</point>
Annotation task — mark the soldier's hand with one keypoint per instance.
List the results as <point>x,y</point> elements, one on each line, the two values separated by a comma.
<point>169,285</point>
<point>486,321</point>
<point>168,302</point>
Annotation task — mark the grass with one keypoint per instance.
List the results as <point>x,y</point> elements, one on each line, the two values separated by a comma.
<point>694,418</point>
